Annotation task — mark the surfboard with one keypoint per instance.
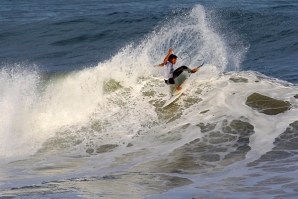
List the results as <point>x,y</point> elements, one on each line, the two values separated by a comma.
<point>176,94</point>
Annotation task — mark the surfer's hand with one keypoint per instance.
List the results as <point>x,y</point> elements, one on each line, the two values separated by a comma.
<point>170,51</point>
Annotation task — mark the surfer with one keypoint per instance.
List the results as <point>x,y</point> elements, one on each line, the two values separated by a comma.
<point>169,73</point>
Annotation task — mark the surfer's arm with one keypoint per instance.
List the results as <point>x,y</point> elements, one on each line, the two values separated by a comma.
<point>167,57</point>
<point>159,65</point>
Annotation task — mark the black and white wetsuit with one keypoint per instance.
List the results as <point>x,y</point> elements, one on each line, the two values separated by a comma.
<point>170,74</point>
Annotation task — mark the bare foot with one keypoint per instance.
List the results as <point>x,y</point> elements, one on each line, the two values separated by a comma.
<point>179,88</point>
<point>194,70</point>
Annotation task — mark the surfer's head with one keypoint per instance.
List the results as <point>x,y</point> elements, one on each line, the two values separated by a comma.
<point>172,58</point>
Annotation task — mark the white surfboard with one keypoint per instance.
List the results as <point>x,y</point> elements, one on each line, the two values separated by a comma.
<point>177,93</point>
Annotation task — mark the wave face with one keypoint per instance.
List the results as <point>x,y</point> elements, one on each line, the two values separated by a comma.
<point>75,97</point>
<point>72,132</point>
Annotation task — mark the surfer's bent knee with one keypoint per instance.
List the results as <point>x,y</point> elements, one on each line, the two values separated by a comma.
<point>170,81</point>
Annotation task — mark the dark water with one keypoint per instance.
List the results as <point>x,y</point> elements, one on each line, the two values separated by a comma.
<point>81,103</point>
<point>60,36</point>
<point>63,36</point>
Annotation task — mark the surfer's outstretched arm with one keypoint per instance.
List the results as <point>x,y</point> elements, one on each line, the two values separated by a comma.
<point>167,57</point>
<point>159,65</point>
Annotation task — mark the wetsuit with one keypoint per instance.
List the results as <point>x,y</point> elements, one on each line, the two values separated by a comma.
<point>170,74</point>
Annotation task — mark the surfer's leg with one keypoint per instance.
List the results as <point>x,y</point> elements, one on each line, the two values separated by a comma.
<point>172,86</point>
<point>179,70</point>
<point>171,81</point>
<point>175,86</point>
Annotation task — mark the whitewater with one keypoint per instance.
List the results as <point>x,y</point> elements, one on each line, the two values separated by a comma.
<point>102,132</point>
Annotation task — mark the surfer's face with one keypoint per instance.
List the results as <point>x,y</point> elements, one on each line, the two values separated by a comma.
<point>173,61</point>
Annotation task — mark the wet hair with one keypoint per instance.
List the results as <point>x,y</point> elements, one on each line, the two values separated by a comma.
<point>172,56</point>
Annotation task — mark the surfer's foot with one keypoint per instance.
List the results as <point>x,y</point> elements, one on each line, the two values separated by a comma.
<point>179,88</point>
<point>194,70</point>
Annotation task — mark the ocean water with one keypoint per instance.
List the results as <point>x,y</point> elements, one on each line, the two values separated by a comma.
<point>81,103</point>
